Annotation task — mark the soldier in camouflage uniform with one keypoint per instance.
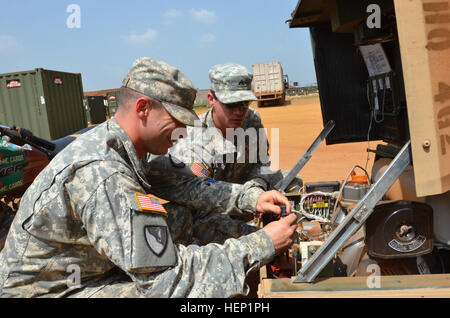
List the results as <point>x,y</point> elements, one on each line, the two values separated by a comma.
<point>87,227</point>
<point>214,152</point>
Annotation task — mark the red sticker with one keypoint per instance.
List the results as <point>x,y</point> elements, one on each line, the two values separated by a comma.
<point>13,83</point>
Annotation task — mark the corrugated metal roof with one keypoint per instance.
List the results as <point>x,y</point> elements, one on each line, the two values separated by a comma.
<point>308,13</point>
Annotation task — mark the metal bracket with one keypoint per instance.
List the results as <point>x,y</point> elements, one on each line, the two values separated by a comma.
<point>362,213</point>
<point>355,219</point>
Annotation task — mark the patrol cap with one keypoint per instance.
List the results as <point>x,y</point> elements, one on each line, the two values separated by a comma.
<point>231,83</point>
<point>166,84</point>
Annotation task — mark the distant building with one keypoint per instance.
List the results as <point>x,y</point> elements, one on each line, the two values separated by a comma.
<point>202,97</point>
<point>101,92</point>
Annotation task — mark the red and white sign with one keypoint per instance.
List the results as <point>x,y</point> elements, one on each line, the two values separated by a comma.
<point>58,81</point>
<point>13,84</point>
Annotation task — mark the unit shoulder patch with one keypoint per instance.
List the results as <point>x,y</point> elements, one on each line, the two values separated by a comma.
<point>156,238</point>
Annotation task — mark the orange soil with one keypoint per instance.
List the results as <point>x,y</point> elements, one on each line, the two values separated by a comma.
<point>299,122</point>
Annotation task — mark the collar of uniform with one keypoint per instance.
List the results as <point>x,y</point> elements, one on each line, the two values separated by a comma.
<point>208,119</point>
<point>129,151</point>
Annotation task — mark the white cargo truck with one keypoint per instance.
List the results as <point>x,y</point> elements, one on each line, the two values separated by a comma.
<point>269,83</point>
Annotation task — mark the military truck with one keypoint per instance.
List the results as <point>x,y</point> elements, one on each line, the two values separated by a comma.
<point>270,83</point>
<point>383,70</point>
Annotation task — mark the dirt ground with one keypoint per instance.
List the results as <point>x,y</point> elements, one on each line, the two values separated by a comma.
<point>299,122</point>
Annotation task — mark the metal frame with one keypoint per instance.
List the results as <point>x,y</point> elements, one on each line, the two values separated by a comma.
<point>282,184</point>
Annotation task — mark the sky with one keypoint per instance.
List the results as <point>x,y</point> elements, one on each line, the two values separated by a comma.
<point>103,40</point>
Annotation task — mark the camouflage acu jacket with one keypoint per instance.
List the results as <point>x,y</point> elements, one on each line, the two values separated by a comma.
<point>89,210</point>
<point>231,159</point>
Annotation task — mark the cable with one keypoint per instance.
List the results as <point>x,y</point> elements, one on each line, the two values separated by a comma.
<point>338,198</point>
<point>368,140</point>
<point>370,124</point>
<point>373,116</point>
<point>382,108</point>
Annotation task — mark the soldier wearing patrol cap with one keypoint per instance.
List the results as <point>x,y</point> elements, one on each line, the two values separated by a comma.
<point>88,226</point>
<point>208,154</point>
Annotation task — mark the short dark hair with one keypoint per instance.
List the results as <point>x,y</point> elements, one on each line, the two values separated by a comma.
<point>126,96</point>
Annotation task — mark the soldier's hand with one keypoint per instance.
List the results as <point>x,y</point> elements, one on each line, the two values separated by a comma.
<point>270,201</point>
<point>282,232</point>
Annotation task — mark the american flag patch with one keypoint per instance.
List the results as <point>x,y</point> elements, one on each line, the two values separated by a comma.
<point>149,203</point>
<point>199,170</point>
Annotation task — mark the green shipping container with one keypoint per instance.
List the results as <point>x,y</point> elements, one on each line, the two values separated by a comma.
<point>95,109</point>
<point>113,102</point>
<point>49,103</point>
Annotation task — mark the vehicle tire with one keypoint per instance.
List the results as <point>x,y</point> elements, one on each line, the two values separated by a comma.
<point>283,100</point>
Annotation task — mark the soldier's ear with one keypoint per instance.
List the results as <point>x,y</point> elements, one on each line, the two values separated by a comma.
<point>210,98</point>
<point>142,107</point>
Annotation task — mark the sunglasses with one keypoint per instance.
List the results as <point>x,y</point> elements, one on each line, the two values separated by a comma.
<point>238,104</point>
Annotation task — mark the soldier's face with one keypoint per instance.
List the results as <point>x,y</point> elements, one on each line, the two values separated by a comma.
<point>161,131</point>
<point>226,117</point>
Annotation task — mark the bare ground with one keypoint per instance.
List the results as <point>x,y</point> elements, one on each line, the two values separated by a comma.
<point>299,122</point>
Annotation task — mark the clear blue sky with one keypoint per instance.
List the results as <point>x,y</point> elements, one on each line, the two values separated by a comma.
<point>191,35</point>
